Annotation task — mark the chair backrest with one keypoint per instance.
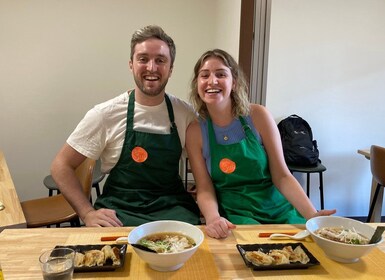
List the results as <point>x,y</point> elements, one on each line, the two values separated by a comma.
<point>84,174</point>
<point>55,209</point>
<point>377,163</point>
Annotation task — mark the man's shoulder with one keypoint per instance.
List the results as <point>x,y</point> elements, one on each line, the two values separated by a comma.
<point>110,111</point>
<point>180,103</point>
<point>121,98</point>
<point>184,112</point>
<point>114,103</point>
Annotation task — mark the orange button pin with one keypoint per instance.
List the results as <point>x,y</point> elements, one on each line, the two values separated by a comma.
<point>139,154</point>
<point>227,165</point>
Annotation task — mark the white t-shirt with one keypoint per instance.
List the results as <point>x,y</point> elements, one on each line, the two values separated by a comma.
<point>101,133</point>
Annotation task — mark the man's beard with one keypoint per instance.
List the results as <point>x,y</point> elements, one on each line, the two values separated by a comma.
<point>155,91</point>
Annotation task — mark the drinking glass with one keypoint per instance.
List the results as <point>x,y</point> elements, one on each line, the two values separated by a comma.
<point>57,264</point>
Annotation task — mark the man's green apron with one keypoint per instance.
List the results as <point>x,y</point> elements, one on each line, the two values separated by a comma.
<point>148,188</point>
<point>247,195</point>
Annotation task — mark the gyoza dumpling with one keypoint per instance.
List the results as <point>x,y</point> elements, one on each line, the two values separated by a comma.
<point>258,258</point>
<point>94,257</point>
<point>279,256</point>
<point>301,255</point>
<point>111,253</point>
<point>285,251</point>
<point>79,259</point>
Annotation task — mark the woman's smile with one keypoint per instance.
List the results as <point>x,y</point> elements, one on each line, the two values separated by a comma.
<point>213,91</point>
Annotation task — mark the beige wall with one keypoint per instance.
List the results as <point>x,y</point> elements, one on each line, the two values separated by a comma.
<point>59,58</point>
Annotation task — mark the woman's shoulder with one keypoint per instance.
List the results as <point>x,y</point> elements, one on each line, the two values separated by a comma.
<point>257,108</point>
<point>194,126</point>
<point>261,118</point>
<point>194,134</point>
<point>259,112</point>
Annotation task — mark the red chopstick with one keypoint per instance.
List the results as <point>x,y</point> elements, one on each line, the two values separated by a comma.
<point>267,234</point>
<point>110,238</point>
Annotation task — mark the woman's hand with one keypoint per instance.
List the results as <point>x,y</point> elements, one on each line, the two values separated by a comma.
<point>324,213</point>
<point>219,228</point>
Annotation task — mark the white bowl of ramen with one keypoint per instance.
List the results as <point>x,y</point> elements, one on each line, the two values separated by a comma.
<point>341,239</point>
<point>175,241</point>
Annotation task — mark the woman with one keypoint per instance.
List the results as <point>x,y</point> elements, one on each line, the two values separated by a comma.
<point>236,154</point>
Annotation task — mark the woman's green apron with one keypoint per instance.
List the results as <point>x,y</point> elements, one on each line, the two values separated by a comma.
<point>148,187</point>
<point>246,194</point>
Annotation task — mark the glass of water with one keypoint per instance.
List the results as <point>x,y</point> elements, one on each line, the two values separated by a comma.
<point>57,264</point>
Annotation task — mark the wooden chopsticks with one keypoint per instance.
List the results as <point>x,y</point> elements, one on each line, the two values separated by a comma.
<point>110,238</point>
<point>267,234</point>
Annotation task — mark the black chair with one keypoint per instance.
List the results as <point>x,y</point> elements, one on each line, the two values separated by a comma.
<point>189,184</point>
<point>97,177</point>
<point>319,168</point>
<point>377,167</point>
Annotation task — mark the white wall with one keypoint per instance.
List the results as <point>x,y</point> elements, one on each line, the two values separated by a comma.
<point>59,58</point>
<point>327,64</point>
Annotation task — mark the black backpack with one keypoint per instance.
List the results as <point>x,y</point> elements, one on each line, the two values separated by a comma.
<point>299,148</point>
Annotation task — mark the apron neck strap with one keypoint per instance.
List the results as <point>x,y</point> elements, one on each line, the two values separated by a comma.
<point>245,125</point>
<point>131,107</point>
<point>170,111</point>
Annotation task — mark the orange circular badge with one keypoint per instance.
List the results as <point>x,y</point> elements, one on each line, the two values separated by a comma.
<point>227,165</point>
<point>139,154</point>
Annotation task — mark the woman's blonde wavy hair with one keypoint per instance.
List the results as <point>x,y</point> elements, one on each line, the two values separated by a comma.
<point>239,96</point>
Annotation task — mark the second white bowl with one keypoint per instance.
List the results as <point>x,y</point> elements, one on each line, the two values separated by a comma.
<point>341,252</point>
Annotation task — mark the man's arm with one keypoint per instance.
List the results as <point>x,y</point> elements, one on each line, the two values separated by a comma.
<point>63,171</point>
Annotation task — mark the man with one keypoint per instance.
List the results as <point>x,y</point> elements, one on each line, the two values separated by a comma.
<point>139,137</point>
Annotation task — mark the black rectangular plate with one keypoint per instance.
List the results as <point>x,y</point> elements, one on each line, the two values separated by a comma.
<point>243,248</point>
<point>106,267</point>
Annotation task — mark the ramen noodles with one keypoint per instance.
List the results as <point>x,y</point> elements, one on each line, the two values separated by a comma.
<point>340,234</point>
<point>167,242</point>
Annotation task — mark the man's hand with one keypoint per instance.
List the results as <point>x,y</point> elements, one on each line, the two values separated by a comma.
<point>102,218</point>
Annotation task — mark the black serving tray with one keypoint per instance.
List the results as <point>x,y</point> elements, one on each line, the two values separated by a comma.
<point>243,248</point>
<point>106,267</point>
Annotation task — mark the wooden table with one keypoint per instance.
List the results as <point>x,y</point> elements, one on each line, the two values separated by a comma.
<point>12,215</point>
<point>20,249</point>
<point>376,217</point>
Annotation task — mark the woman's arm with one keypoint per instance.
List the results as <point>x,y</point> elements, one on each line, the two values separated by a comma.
<point>281,176</point>
<point>217,226</point>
